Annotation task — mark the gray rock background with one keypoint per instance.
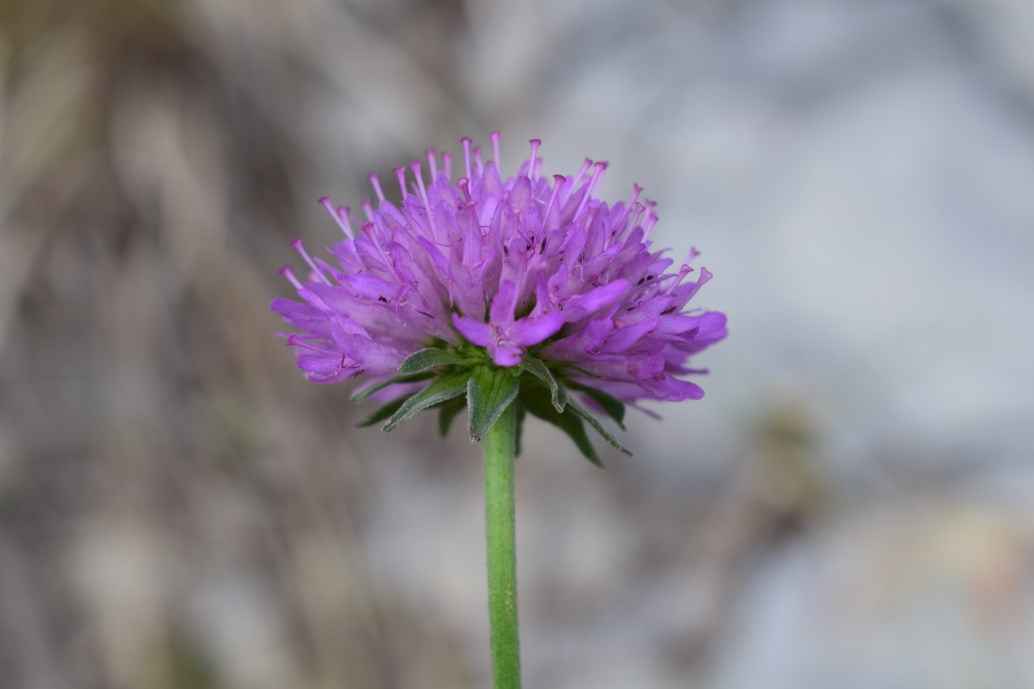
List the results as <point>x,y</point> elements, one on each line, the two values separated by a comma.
<point>850,505</point>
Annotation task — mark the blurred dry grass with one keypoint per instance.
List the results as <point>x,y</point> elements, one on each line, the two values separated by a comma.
<point>158,454</point>
<point>179,509</point>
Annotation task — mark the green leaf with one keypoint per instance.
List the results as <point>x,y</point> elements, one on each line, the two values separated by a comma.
<point>441,389</point>
<point>490,390</point>
<point>538,369</point>
<point>448,413</point>
<point>595,423</point>
<point>429,358</point>
<point>410,378</point>
<point>383,412</point>
<point>535,400</point>
<point>614,407</point>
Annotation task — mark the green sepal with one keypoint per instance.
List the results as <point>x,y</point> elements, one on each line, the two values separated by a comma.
<point>448,413</point>
<point>614,407</point>
<point>534,399</point>
<point>383,412</point>
<point>408,378</point>
<point>490,390</point>
<point>595,423</point>
<point>429,358</point>
<point>558,396</point>
<point>441,389</point>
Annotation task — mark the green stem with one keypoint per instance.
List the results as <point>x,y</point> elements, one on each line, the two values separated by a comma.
<point>499,448</point>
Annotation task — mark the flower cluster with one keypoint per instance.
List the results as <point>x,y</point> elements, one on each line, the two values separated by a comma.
<point>500,274</point>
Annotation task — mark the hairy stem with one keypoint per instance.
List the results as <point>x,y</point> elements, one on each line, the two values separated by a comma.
<point>499,447</point>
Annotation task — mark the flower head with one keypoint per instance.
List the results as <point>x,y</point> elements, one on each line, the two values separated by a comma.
<point>525,275</point>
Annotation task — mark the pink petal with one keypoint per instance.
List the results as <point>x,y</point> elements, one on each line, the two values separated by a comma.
<point>586,304</point>
<point>504,303</point>
<point>506,355</point>
<point>531,331</point>
<point>477,333</point>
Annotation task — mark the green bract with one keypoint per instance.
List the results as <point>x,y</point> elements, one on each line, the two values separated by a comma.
<point>467,377</point>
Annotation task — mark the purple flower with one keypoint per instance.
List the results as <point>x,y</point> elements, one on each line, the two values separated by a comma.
<point>507,271</point>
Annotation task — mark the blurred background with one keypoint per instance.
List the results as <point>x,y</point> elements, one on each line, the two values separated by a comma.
<point>851,506</point>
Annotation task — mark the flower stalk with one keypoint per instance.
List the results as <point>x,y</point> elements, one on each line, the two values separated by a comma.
<point>499,447</point>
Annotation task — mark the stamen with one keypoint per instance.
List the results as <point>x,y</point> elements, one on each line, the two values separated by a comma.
<point>297,244</point>
<point>597,174</point>
<point>705,277</point>
<point>631,207</point>
<point>581,173</point>
<point>400,175</point>
<point>375,181</point>
<point>466,154</point>
<point>535,143</point>
<point>415,167</point>
<point>636,191</point>
<point>464,184</point>
<point>325,202</point>
<point>296,340</point>
<point>495,136</point>
<point>432,163</point>
<point>683,272</point>
<point>651,218</point>
<point>370,230</point>
<point>342,213</point>
<point>368,209</point>
<point>447,164</point>
<point>557,181</point>
<point>479,164</point>
<point>637,211</point>
<point>325,266</point>
<point>289,274</point>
